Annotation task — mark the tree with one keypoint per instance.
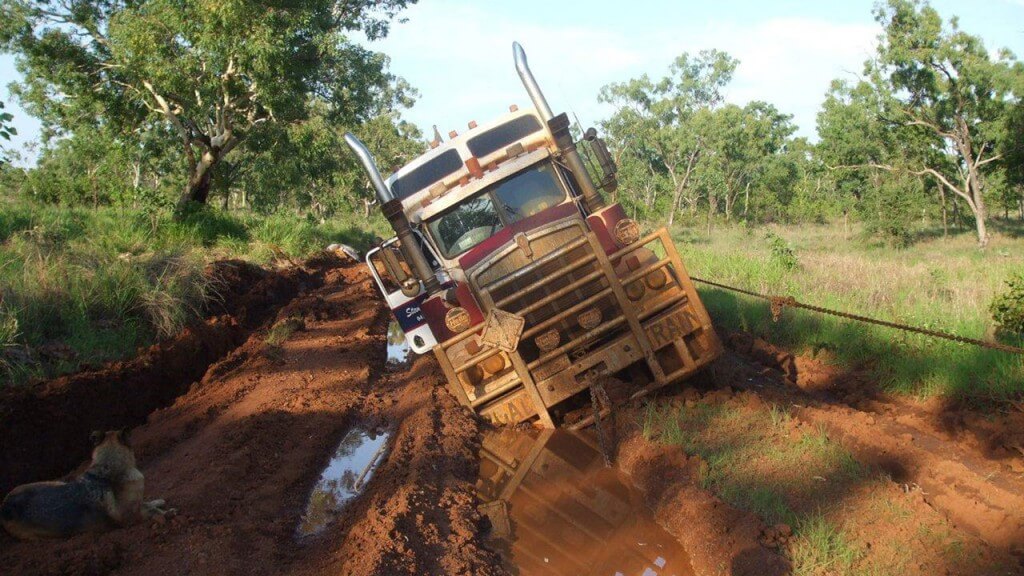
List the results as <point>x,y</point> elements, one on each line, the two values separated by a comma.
<point>666,123</point>
<point>216,73</point>
<point>6,131</point>
<point>943,83</point>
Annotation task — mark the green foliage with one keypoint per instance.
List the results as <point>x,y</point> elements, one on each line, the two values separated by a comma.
<point>210,76</point>
<point>106,281</point>
<point>1008,307</point>
<point>6,131</point>
<point>781,252</point>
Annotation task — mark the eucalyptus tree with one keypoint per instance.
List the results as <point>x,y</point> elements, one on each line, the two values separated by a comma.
<point>942,82</point>
<point>215,72</point>
<point>665,124</point>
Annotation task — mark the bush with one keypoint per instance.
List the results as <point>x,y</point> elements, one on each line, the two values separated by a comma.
<point>781,253</point>
<point>1008,308</point>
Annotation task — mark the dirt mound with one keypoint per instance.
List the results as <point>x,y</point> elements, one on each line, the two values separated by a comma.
<point>239,452</point>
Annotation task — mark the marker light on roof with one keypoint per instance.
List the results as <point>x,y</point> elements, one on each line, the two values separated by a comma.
<point>473,165</point>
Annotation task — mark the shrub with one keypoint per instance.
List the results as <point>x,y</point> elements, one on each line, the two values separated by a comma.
<point>1008,308</point>
<point>781,253</point>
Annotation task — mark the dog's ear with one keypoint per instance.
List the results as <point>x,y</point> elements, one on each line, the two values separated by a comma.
<point>97,437</point>
<point>124,436</point>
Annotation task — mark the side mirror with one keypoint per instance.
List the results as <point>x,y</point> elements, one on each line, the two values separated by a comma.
<point>394,264</point>
<point>604,158</point>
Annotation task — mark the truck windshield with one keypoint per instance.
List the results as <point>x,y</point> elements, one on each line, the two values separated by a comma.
<point>474,220</point>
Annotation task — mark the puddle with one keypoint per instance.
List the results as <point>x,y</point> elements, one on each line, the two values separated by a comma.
<point>555,509</point>
<point>398,349</point>
<point>348,472</point>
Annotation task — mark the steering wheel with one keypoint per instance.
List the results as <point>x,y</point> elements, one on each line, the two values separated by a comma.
<point>472,238</point>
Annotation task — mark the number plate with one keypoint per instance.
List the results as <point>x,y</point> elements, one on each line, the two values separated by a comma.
<point>668,329</point>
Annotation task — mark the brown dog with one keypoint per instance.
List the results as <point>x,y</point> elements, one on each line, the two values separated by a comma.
<point>108,495</point>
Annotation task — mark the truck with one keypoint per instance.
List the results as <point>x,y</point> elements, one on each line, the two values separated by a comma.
<point>527,285</point>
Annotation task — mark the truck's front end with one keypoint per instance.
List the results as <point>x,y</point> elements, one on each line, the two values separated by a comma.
<point>508,264</point>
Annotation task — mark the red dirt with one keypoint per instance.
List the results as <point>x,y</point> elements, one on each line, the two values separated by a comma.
<point>61,413</point>
<point>237,445</point>
<point>966,463</point>
<point>238,453</point>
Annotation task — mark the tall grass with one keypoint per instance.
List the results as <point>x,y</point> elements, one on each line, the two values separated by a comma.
<point>104,282</point>
<point>944,284</point>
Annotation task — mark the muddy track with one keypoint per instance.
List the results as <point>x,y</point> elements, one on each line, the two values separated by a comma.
<point>238,453</point>
<point>59,414</point>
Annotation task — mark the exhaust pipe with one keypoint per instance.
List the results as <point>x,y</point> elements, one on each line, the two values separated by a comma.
<point>384,194</point>
<point>559,127</point>
<point>532,88</point>
<point>392,209</point>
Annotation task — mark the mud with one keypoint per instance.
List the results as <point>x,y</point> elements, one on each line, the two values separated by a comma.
<point>555,509</point>
<point>236,433</point>
<point>241,450</point>
<point>44,428</point>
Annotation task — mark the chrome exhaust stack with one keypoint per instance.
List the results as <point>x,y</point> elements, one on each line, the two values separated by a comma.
<point>530,83</point>
<point>395,214</point>
<point>559,127</point>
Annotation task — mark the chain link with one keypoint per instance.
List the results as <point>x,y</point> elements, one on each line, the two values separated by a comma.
<point>599,396</point>
<point>777,303</point>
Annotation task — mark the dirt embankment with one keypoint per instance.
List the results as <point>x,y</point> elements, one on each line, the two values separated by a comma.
<point>44,428</point>
<point>239,452</point>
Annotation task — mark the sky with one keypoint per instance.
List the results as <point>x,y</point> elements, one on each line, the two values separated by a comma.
<point>458,53</point>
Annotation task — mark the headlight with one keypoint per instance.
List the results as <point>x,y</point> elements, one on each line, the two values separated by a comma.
<point>656,279</point>
<point>590,319</point>
<point>457,319</point>
<point>635,291</point>
<point>626,232</point>
<point>493,364</point>
<point>548,341</point>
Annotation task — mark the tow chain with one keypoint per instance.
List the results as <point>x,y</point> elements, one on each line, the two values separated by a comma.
<point>599,396</point>
<point>777,303</point>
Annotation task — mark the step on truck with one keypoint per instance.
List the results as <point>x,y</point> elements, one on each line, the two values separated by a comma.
<point>510,266</point>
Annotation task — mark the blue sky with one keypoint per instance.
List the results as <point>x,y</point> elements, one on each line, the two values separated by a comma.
<point>458,53</point>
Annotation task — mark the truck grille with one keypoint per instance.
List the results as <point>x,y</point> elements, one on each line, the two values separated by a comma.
<point>554,280</point>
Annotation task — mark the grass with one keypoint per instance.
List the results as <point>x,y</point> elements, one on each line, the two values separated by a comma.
<point>743,462</point>
<point>846,519</point>
<point>105,282</point>
<point>822,549</point>
<point>940,283</point>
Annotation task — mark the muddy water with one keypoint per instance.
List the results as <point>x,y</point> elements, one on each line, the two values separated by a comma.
<point>349,470</point>
<point>555,509</point>
<point>398,349</point>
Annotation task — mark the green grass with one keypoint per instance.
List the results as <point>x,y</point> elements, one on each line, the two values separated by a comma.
<point>108,281</point>
<point>751,460</point>
<point>940,283</point>
<point>822,549</point>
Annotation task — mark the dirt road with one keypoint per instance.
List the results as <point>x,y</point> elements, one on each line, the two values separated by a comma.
<point>234,421</point>
<point>238,453</point>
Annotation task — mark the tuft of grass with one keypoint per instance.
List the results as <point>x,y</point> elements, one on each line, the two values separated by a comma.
<point>821,548</point>
<point>283,330</point>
